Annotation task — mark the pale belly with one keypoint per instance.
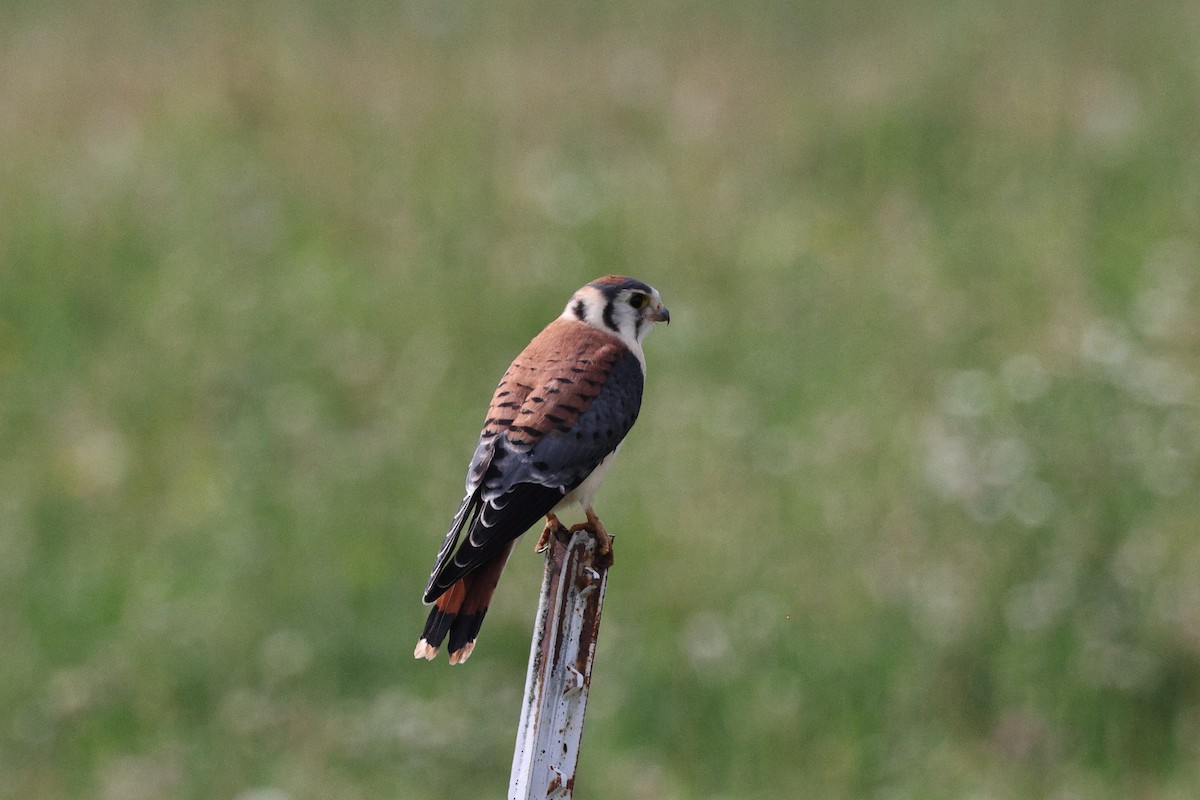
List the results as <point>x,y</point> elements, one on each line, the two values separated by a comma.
<point>585,493</point>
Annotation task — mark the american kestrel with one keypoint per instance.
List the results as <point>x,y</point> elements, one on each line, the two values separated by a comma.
<point>555,422</point>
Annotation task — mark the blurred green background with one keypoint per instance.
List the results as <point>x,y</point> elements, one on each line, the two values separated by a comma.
<point>912,507</point>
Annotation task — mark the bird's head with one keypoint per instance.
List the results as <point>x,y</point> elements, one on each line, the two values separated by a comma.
<point>620,305</point>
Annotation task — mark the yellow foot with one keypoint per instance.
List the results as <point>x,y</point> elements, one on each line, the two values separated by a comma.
<point>553,528</point>
<point>604,540</point>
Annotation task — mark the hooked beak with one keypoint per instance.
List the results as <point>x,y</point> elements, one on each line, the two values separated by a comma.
<point>660,314</point>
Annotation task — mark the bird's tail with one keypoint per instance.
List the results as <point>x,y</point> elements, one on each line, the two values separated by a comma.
<point>459,611</point>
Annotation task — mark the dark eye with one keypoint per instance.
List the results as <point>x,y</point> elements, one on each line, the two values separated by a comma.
<point>638,301</point>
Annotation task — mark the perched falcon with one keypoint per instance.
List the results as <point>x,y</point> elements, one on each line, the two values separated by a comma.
<point>555,422</point>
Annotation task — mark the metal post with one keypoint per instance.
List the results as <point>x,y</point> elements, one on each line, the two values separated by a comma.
<point>560,672</point>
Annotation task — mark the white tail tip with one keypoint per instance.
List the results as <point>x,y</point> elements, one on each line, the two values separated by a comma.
<point>462,654</point>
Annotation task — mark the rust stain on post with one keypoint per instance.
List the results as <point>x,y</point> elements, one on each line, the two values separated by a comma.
<point>560,671</point>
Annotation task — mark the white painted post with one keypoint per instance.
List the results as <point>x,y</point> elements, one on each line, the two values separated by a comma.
<point>560,672</point>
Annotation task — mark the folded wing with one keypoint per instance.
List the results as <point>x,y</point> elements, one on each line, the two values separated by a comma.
<point>563,405</point>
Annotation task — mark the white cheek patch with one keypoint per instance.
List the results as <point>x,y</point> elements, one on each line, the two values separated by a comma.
<point>588,305</point>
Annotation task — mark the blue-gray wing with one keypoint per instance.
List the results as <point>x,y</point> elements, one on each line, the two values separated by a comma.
<point>564,405</point>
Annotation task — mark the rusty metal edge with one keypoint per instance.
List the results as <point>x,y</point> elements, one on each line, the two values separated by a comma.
<point>559,674</point>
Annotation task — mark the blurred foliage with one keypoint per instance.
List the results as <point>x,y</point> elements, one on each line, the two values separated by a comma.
<point>911,510</point>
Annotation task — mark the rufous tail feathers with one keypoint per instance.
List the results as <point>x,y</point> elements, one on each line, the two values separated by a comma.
<point>459,612</point>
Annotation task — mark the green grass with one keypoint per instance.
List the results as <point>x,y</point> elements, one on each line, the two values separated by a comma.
<point>910,511</point>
